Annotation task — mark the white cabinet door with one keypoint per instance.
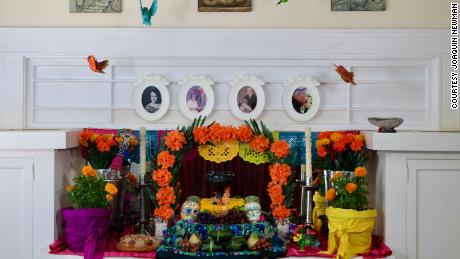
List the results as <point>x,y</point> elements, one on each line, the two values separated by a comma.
<point>433,209</point>
<point>16,176</point>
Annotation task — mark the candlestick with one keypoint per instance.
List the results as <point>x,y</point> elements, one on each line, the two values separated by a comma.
<point>308,152</point>
<point>142,137</point>
<point>303,192</point>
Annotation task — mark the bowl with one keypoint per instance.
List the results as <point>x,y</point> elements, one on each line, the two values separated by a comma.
<point>386,125</point>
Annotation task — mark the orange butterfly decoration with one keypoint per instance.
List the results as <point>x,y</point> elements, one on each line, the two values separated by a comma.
<point>346,75</point>
<point>96,66</point>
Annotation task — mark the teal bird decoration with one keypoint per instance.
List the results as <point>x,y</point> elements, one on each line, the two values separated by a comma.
<point>147,13</point>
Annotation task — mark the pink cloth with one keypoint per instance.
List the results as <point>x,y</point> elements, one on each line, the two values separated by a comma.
<point>378,250</point>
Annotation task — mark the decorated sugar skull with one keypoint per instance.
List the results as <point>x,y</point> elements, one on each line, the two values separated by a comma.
<point>252,208</point>
<point>189,210</point>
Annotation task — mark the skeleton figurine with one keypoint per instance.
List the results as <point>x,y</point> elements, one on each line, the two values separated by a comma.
<point>252,208</point>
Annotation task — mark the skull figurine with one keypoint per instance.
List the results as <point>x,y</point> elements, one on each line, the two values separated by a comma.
<point>253,210</point>
<point>189,210</point>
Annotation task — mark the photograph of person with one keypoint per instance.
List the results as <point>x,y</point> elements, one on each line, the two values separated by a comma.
<point>196,99</point>
<point>301,100</point>
<point>247,99</point>
<point>151,99</point>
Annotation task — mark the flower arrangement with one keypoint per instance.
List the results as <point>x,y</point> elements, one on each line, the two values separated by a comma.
<point>100,149</point>
<point>90,190</point>
<point>350,191</point>
<point>176,143</point>
<point>303,236</point>
<point>342,151</point>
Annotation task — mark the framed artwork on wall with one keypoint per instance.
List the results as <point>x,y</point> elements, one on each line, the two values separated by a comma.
<point>224,5</point>
<point>301,98</point>
<point>150,97</point>
<point>196,97</point>
<point>358,5</point>
<point>95,6</point>
<point>246,98</point>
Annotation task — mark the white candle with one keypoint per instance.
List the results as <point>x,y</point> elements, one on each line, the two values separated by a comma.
<point>142,142</point>
<point>309,172</point>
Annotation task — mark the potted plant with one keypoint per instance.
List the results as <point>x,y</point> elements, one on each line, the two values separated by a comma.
<point>86,223</point>
<point>351,222</point>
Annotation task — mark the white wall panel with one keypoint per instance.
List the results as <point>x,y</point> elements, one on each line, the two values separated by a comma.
<point>72,94</point>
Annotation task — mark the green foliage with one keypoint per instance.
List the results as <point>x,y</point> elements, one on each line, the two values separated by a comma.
<point>282,2</point>
<point>88,192</point>
<point>357,200</point>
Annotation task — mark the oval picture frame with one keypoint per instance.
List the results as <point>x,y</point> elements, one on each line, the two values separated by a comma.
<point>145,88</point>
<point>296,90</point>
<point>196,97</point>
<point>246,98</point>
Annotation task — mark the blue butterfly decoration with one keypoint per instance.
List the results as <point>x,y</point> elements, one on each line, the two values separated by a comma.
<point>147,13</point>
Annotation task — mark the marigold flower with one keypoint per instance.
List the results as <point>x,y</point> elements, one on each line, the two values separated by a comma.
<point>109,197</point>
<point>245,133</point>
<point>322,142</point>
<point>356,145</point>
<point>360,171</point>
<point>85,136</point>
<point>162,177</point>
<point>103,146</point>
<point>297,237</point>
<point>69,188</point>
<point>164,212</point>
<point>330,195</point>
<point>200,135</point>
<point>336,175</point>
<point>165,159</point>
<point>280,148</point>
<point>324,135</point>
<point>215,133</point>
<point>275,191</point>
<point>336,136</point>
<point>132,178</point>
<point>175,140</point>
<point>281,212</point>
<point>111,189</point>
<point>339,146</point>
<point>88,171</point>
<point>321,151</point>
<point>351,187</point>
<point>165,196</point>
<point>280,173</point>
<point>358,137</point>
<point>228,133</point>
<point>260,143</point>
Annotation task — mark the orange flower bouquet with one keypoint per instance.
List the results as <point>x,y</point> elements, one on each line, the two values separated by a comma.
<point>342,151</point>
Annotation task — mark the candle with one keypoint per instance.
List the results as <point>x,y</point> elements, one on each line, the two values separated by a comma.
<point>143,141</point>
<point>308,152</point>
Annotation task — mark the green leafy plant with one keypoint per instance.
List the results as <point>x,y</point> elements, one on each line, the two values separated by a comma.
<point>350,191</point>
<point>282,2</point>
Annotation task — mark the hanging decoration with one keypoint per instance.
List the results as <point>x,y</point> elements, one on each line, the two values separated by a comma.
<point>147,13</point>
<point>96,66</point>
<point>347,76</point>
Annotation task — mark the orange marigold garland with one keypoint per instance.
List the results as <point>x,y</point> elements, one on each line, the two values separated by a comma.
<point>280,148</point>
<point>165,159</point>
<point>162,177</point>
<point>175,140</point>
<point>260,143</point>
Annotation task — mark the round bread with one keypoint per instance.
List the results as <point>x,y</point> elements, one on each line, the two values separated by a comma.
<point>138,243</point>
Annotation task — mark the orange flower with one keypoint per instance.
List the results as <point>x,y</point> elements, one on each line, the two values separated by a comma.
<point>200,134</point>
<point>317,181</point>
<point>324,135</point>
<point>105,142</point>
<point>165,196</point>
<point>85,137</point>
<point>228,133</point>
<point>132,178</point>
<point>260,143</point>
<point>336,136</point>
<point>109,197</point>
<point>351,187</point>
<point>275,191</point>
<point>280,148</point>
<point>360,171</point>
<point>347,138</point>
<point>336,175</point>
<point>358,137</point>
<point>356,145</point>
<point>245,133</point>
<point>165,159</point>
<point>103,146</point>
<point>175,140</point>
<point>281,212</point>
<point>111,189</point>
<point>164,212</point>
<point>330,195</point>
<point>339,146</point>
<point>162,177</point>
<point>88,171</point>
<point>322,142</point>
<point>280,173</point>
<point>215,133</point>
<point>322,152</point>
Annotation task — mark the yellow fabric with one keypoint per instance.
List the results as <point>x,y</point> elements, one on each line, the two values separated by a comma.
<point>350,231</point>
<point>251,156</point>
<point>318,211</point>
<point>220,152</point>
<point>219,210</point>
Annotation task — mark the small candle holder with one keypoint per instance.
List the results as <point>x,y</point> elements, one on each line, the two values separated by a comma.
<point>143,220</point>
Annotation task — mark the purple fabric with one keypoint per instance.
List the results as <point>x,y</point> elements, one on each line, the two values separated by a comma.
<point>85,230</point>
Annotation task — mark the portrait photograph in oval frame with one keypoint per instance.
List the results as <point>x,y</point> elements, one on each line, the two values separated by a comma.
<point>246,98</point>
<point>301,98</point>
<point>196,97</point>
<point>150,97</point>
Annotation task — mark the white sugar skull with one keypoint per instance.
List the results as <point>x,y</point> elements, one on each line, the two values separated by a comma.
<point>252,209</point>
<point>189,210</point>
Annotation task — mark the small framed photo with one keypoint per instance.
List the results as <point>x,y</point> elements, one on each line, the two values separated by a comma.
<point>150,97</point>
<point>246,99</point>
<point>301,98</point>
<point>196,97</point>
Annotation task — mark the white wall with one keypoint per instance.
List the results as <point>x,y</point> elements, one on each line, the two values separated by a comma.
<point>183,13</point>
